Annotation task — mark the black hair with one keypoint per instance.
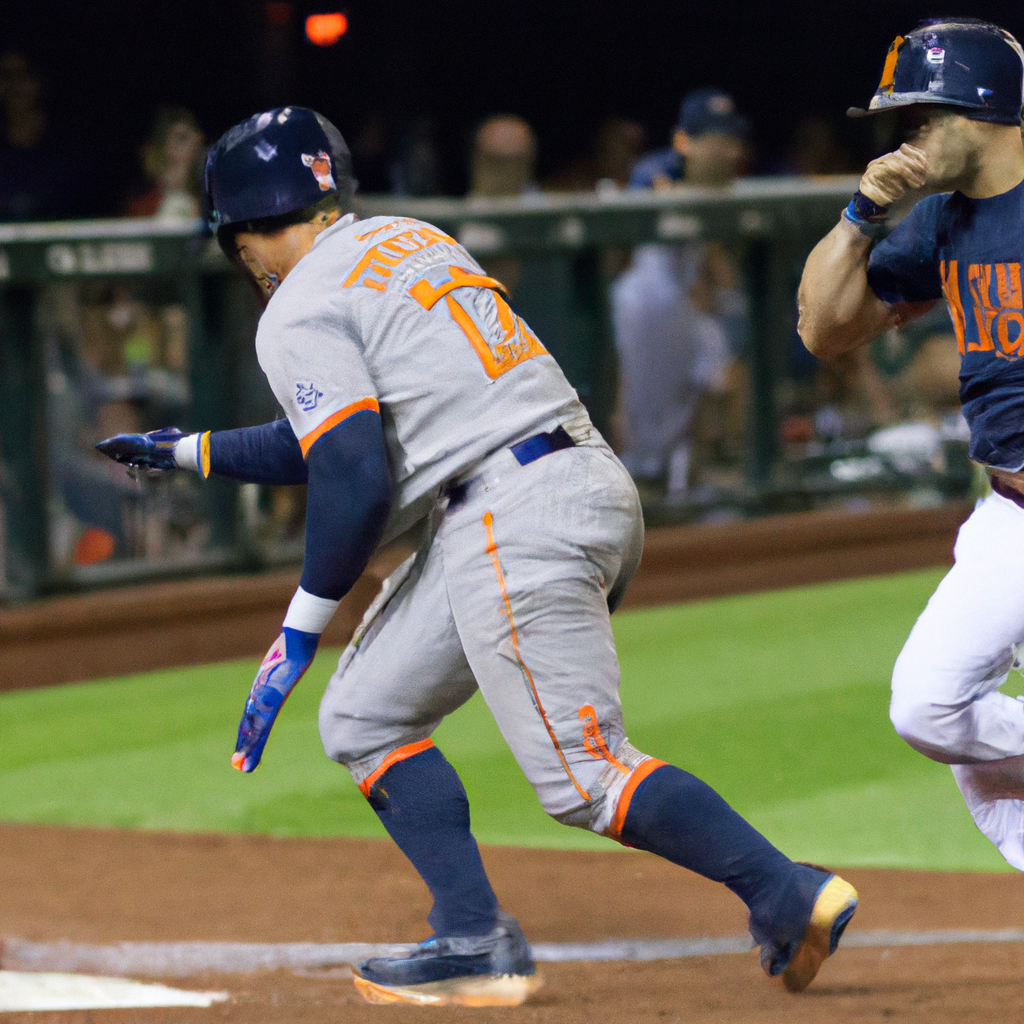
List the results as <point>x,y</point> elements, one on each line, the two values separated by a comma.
<point>331,203</point>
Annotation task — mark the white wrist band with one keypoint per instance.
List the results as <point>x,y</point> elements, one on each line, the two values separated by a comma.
<point>193,452</point>
<point>309,613</point>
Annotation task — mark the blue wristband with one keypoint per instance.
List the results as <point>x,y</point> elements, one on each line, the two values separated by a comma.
<point>867,216</point>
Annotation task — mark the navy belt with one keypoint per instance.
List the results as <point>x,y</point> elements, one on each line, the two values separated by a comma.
<point>536,447</point>
<point>530,450</point>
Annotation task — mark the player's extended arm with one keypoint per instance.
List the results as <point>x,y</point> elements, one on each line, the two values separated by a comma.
<point>347,505</point>
<point>267,454</point>
<point>838,310</point>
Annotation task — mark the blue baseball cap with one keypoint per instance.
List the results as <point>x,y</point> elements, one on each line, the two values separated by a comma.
<point>711,110</point>
<point>957,62</point>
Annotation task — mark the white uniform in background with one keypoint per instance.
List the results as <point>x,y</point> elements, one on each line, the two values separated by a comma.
<point>670,353</point>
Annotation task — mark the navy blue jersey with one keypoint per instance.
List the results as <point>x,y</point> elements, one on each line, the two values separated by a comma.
<point>660,163</point>
<point>970,252</point>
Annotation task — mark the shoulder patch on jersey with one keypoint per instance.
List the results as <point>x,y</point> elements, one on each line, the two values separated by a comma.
<point>307,395</point>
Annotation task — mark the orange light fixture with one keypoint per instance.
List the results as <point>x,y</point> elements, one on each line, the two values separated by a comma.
<point>326,29</point>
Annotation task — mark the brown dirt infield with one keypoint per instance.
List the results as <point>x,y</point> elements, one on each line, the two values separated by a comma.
<point>105,886</point>
<point>109,886</point>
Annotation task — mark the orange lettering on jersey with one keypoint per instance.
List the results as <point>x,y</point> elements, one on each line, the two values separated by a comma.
<point>426,294</point>
<point>979,280</point>
<point>951,289</point>
<point>1008,285</point>
<point>1010,332</point>
<point>499,354</point>
<point>375,267</point>
<point>387,227</point>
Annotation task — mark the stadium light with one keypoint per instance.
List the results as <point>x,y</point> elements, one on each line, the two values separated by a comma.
<point>326,29</point>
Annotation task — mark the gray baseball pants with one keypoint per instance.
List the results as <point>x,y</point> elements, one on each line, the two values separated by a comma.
<point>509,592</point>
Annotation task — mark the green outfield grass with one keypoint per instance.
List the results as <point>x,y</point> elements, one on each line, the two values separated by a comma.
<point>778,700</point>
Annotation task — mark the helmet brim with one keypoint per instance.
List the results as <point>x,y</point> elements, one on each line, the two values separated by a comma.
<point>912,99</point>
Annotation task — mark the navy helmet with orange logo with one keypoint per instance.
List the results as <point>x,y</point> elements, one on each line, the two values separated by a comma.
<point>273,164</point>
<point>958,62</point>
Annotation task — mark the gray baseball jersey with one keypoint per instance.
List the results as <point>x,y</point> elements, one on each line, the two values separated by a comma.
<point>393,314</point>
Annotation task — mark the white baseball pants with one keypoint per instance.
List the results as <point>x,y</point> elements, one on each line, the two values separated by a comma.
<point>945,697</point>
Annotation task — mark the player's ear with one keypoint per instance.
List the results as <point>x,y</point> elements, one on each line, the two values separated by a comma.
<point>681,142</point>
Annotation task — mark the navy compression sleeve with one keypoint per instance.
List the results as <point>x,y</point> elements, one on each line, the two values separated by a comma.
<point>347,503</point>
<point>268,454</point>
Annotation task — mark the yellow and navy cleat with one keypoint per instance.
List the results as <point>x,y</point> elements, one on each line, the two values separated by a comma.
<point>834,906</point>
<point>496,969</point>
<point>471,990</point>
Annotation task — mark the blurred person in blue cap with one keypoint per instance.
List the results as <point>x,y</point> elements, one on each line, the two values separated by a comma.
<point>679,315</point>
<point>709,145</point>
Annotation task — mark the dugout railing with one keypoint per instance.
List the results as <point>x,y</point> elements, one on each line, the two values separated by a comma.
<point>117,324</point>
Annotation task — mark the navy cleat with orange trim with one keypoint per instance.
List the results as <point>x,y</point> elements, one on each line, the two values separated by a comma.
<point>834,905</point>
<point>496,969</point>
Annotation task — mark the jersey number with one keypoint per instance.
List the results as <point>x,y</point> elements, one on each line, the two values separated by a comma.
<point>499,347</point>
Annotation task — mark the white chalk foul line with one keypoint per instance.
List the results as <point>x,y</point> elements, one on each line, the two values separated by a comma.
<point>181,959</point>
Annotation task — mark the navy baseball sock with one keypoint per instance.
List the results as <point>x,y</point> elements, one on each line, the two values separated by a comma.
<point>682,819</point>
<point>422,803</point>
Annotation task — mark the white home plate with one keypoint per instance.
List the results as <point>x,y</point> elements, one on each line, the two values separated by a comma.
<point>32,991</point>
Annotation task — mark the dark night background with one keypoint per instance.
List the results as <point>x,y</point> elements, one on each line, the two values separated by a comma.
<point>562,64</point>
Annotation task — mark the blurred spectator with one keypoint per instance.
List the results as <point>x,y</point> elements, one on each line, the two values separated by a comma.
<point>679,314</point>
<point>504,158</point>
<point>173,158</point>
<point>909,374</point>
<point>619,144</point>
<point>919,367</point>
<point>709,145</point>
<point>416,170</point>
<point>815,149</point>
<point>114,364</point>
<point>609,163</point>
<point>40,179</point>
<point>370,154</point>
<point>503,163</point>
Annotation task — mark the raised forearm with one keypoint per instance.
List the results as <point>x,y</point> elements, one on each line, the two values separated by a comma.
<point>838,310</point>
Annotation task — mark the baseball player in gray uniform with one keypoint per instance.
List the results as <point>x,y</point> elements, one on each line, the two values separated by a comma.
<point>416,395</point>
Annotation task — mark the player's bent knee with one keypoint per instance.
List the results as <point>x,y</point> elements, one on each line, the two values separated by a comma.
<point>929,728</point>
<point>346,740</point>
<point>342,742</point>
<point>603,810</point>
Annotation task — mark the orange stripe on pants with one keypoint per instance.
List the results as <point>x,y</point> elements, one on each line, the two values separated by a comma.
<point>492,550</point>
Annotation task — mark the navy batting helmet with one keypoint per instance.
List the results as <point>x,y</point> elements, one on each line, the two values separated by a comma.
<point>959,62</point>
<point>275,163</point>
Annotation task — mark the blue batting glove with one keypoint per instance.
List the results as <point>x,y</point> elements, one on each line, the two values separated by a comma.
<point>154,450</point>
<point>284,665</point>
